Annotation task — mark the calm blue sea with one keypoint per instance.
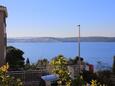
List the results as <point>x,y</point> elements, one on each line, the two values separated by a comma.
<point>90,51</point>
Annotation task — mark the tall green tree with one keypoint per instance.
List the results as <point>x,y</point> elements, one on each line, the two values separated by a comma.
<point>15,58</point>
<point>60,68</point>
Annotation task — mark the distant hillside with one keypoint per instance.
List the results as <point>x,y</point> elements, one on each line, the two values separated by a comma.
<point>68,39</point>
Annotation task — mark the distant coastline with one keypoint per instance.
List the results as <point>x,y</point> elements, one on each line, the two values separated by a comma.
<point>56,39</point>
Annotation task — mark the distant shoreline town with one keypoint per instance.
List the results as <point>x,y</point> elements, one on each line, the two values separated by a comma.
<point>57,39</point>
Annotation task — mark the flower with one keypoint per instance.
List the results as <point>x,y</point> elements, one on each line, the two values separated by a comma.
<point>4,68</point>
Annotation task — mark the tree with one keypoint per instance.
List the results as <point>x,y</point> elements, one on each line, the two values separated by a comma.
<point>28,61</point>
<point>27,65</point>
<point>113,65</point>
<point>78,81</point>
<point>43,62</point>
<point>33,67</point>
<point>60,68</point>
<point>15,58</point>
<point>75,60</point>
<point>6,79</point>
<point>104,76</point>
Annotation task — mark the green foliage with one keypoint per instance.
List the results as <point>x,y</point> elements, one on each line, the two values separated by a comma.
<point>75,60</point>
<point>15,58</point>
<point>88,76</point>
<point>33,67</point>
<point>104,77</point>
<point>113,69</point>
<point>7,80</point>
<point>95,83</point>
<point>79,81</point>
<point>42,62</point>
<point>60,68</point>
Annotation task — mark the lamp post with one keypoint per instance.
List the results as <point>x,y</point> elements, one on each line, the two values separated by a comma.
<point>79,47</point>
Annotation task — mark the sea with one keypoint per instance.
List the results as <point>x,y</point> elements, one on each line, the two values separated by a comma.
<point>92,52</point>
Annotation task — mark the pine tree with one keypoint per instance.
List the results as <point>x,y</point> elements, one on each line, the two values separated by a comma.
<point>27,66</point>
<point>28,61</point>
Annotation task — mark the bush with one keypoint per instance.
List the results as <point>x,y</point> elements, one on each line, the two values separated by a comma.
<point>6,80</point>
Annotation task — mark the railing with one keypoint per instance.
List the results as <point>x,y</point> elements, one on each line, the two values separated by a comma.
<point>29,78</point>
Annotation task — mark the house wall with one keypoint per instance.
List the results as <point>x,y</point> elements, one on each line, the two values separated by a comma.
<point>3,43</point>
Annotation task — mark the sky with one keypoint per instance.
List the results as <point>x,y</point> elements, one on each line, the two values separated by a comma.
<point>59,18</point>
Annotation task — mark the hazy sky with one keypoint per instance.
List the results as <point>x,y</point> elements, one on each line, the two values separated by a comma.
<point>59,18</point>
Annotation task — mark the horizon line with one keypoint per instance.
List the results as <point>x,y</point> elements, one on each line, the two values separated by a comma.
<point>57,37</point>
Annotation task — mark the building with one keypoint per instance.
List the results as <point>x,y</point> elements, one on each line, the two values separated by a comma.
<point>3,38</point>
<point>74,70</point>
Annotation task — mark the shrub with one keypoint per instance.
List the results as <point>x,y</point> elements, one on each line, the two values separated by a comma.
<point>7,80</point>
